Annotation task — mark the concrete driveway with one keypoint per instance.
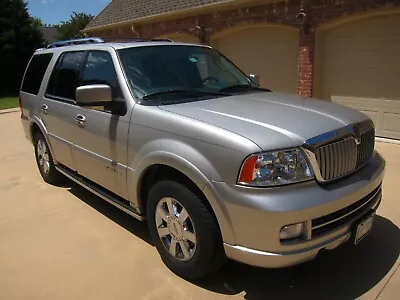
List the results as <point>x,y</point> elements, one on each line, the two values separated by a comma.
<point>65,243</point>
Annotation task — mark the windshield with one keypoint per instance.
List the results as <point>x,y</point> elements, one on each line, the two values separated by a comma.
<point>181,72</point>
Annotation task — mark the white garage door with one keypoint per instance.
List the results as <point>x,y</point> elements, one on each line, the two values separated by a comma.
<point>267,51</point>
<point>358,65</point>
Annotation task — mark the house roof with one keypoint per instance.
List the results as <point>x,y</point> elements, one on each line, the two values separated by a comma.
<point>50,34</point>
<point>118,11</point>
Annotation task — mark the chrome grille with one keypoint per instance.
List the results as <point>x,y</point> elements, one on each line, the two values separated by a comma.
<point>340,152</point>
<point>366,147</point>
<point>345,156</point>
<point>337,159</point>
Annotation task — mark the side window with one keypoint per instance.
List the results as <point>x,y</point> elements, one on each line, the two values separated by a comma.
<point>35,73</point>
<point>99,69</point>
<point>66,75</point>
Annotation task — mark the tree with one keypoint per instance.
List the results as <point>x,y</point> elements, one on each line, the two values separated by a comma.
<point>19,38</point>
<point>37,22</point>
<point>71,29</point>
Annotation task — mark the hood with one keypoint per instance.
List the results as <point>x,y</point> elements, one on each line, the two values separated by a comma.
<point>271,120</point>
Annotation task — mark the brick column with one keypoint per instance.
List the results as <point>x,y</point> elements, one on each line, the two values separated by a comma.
<point>205,40</point>
<point>305,65</point>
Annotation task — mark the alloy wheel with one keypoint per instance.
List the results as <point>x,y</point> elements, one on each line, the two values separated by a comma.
<point>175,229</point>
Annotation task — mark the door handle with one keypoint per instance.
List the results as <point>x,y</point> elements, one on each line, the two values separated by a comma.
<point>45,108</point>
<point>80,120</point>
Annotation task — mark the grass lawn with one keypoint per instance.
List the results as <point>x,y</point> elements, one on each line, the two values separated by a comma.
<point>8,102</point>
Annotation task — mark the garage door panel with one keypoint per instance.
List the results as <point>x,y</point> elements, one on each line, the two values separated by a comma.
<point>374,25</point>
<point>359,66</point>
<point>371,113</point>
<point>269,52</point>
<point>357,87</point>
<point>374,115</point>
<point>384,113</point>
<point>391,122</point>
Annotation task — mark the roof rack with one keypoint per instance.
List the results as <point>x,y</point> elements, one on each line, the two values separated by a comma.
<point>90,40</point>
<point>97,40</point>
<point>161,40</point>
<point>117,39</point>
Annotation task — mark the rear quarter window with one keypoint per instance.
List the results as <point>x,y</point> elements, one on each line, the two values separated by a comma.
<point>35,72</point>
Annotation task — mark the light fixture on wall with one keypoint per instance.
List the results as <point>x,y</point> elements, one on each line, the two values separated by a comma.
<point>134,30</point>
<point>200,31</point>
<point>303,20</point>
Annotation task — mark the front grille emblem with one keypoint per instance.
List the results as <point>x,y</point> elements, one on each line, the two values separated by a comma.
<point>357,135</point>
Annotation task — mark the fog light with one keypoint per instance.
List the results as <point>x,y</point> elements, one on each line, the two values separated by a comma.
<point>291,231</point>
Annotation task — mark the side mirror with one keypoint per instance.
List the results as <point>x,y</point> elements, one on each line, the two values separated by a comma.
<point>93,95</point>
<point>255,79</point>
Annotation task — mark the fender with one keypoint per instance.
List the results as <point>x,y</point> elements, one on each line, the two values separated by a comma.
<point>35,120</point>
<point>181,163</point>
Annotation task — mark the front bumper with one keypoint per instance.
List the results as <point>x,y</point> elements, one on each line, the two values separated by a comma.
<point>250,219</point>
<point>280,260</point>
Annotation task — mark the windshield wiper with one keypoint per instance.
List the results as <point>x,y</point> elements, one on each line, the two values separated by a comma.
<point>241,87</point>
<point>186,92</point>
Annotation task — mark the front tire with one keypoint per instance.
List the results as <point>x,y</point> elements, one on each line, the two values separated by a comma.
<point>44,160</point>
<point>184,230</point>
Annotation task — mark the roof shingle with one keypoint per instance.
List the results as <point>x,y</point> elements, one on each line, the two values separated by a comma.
<point>124,10</point>
<point>50,34</point>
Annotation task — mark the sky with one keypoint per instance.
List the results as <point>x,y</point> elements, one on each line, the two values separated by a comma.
<point>55,11</point>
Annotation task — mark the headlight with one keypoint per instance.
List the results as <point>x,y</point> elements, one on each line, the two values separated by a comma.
<point>275,168</point>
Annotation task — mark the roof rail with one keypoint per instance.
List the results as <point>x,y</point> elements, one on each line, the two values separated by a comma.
<point>90,40</point>
<point>161,40</point>
<point>117,39</point>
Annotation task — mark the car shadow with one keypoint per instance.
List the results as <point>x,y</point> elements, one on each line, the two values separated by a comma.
<point>344,273</point>
<point>124,220</point>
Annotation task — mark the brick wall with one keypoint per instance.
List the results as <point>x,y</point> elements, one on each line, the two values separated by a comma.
<point>277,12</point>
<point>284,12</point>
<point>305,64</point>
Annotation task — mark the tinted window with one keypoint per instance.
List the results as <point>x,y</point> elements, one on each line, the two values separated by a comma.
<point>66,75</point>
<point>99,69</point>
<point>35,72</point>
<point>163,68</point>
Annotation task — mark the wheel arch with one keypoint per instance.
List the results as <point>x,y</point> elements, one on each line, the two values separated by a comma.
<point>36,125</point>
<point>183,172</point>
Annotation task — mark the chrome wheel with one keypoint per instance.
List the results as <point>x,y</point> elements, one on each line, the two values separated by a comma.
<point>43,156</point>
<point>175,229</point>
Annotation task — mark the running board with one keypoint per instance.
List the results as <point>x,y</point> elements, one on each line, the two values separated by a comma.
<point>100,193</point>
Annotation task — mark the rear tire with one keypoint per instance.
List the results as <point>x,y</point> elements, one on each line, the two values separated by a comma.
<point>188,239</point>
<point>44,160</point>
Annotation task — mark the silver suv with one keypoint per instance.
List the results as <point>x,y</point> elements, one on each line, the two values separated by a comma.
<point>177,135</point>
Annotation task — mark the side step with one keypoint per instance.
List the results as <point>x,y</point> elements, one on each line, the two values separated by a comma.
<point>91,187</point>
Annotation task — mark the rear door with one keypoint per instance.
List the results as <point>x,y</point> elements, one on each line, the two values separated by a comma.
<point>59,107</point>
<point>30,89</point>
<point>100,141</point>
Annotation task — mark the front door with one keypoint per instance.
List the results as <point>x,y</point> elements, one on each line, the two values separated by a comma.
<point>100,139</point>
